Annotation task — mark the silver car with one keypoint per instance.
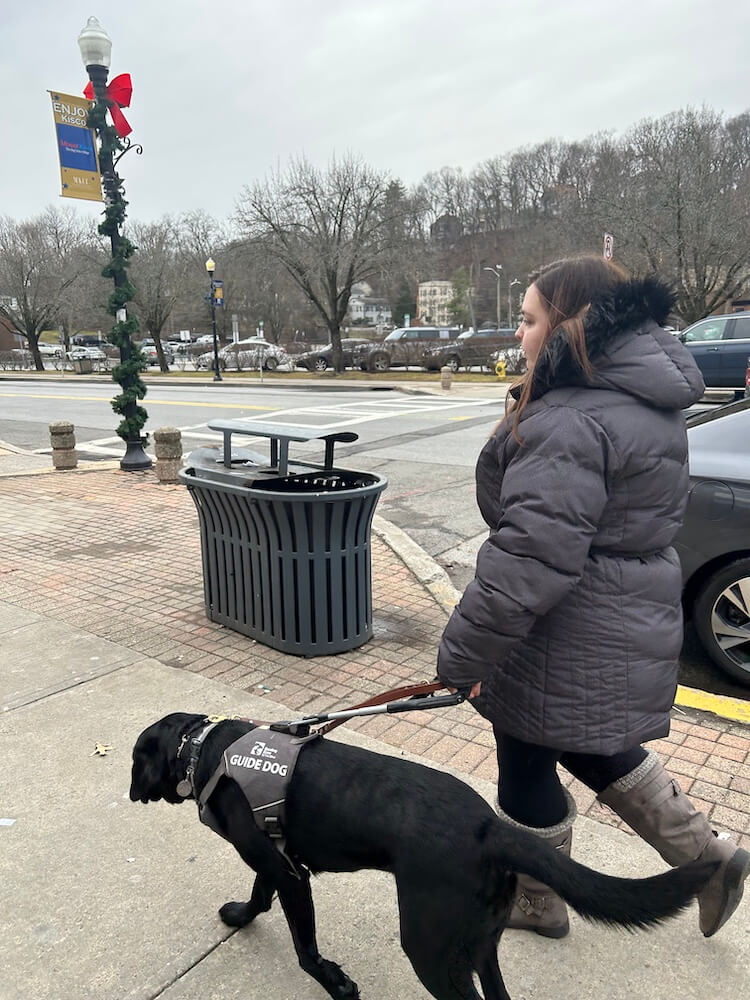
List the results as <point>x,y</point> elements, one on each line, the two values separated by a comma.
<point>246,355</point>
<point>714,541</point>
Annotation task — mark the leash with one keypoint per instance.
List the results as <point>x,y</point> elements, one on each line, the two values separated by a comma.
<point>418,697</point>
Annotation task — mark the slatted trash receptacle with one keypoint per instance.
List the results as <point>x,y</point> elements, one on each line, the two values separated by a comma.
<point>285,544</point>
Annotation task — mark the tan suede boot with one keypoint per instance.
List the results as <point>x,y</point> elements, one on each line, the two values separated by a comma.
<point>536,907</point>
<point>653,804</point>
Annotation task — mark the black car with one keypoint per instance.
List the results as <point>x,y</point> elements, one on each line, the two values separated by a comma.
<point>319,361</point>
<point>720,346</point>
<point>469,349</point>
<point>714,541</point>
<point>403,347</point>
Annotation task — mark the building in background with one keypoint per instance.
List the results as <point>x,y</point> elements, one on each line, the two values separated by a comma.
<point>433,298</point>
<point>366,309</point>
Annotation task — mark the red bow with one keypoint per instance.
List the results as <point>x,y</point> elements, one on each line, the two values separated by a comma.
<point>119,92</point>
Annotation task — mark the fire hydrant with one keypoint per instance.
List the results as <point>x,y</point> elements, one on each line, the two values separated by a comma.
<point>500,369</point>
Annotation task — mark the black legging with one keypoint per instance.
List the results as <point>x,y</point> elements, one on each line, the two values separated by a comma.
<point>529,790</point>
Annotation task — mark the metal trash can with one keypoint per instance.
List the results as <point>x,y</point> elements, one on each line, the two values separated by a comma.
<point>285,545</point>
<point>82,366</point>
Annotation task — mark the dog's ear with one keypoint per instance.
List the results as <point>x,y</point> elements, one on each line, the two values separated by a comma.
<point>154,775</point>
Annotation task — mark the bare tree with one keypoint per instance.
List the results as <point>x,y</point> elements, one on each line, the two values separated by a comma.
<point>38,264</point>
<point>160,273</point>
<point>679,199</point>
<point>328,228</point>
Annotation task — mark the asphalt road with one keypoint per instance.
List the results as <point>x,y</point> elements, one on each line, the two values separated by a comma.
<point>425,445</point>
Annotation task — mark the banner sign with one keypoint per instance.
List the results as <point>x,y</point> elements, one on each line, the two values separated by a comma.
<point>76,145</point>
<point>218,287</point>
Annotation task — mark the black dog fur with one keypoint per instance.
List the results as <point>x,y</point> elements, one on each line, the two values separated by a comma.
<point>452,858</point>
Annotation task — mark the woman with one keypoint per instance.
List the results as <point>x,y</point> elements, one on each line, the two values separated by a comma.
<point>570,632</point>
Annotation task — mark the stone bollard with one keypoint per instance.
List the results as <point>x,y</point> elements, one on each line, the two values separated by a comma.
<point>168,448</point>
<point>63,440</point>
<point>446,377</point>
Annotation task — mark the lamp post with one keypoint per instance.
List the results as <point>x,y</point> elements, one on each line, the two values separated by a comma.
<point>96,48</point>
<point>210,267</point>
<point>516,281</point>
<point>497,276</point>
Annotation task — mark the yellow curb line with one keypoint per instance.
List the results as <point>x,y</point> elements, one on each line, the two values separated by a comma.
<point>719,704</point>
<point>151,402</point>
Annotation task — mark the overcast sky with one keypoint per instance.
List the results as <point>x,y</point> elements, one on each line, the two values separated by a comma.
<point>226,90</point>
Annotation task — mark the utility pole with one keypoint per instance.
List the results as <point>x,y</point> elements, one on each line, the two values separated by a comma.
<point>515,281</point>
<point>492,270</point>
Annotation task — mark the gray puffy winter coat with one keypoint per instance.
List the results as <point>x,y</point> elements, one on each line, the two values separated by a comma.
<point>573,621</point>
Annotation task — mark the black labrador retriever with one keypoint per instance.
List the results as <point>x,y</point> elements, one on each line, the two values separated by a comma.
<point>452,858</point>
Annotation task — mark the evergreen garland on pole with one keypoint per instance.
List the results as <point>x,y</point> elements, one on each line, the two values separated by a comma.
<point>132,361</point>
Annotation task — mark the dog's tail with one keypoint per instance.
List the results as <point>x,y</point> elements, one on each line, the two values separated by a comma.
<point>625,902</point>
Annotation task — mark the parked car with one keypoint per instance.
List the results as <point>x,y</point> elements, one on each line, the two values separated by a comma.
<point>514,358</point>
<point>250,353</point>
<point>205,338</point>
<point>720,346</point>
<point>714,540</point>
<point>148,349</point>
<point>402,347</point>
<point>51,350</point>
<point>87,340</point>
<point>320,360</point>
<point>93,353</point>
<point>470,348</point>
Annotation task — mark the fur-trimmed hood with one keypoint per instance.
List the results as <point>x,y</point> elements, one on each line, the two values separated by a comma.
<point>628,349</point>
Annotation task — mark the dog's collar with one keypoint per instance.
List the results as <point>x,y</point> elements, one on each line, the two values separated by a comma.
<point>186,785</point>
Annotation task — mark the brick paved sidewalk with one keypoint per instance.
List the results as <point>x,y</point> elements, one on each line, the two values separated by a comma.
<point>119,555</point>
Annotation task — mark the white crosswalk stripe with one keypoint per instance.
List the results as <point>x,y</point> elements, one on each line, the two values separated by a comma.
<point>324,418</point>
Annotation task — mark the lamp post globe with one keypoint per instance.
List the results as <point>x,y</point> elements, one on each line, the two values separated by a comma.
<point>211,267</point>
<point>95,44</point>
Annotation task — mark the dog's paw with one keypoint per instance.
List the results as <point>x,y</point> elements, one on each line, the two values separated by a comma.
<point>236,914</point>
<point>337,982</point>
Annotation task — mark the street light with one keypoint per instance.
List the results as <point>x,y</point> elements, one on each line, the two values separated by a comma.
<point>497,275</point>
<point>516,281</point>
<point>210,267</point>
<point>96,50</point>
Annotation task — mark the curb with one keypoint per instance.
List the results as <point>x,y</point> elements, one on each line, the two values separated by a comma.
<point>432,576</point>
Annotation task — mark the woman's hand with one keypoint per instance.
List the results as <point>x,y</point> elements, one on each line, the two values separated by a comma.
<point>474,693</point>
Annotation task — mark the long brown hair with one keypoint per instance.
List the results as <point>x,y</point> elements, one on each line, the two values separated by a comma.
<point>567,288</point>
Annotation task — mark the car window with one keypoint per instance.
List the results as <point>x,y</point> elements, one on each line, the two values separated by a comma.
<point>709,329</point>
<point>740,329</point>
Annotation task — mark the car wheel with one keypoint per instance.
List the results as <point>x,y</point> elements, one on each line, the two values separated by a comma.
<point>379,362</point>
<point>320,364</point>
<point>721,615</point>
<point>454,363</point>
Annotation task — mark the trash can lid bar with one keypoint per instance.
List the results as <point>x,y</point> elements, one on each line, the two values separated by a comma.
<point>280,431</point>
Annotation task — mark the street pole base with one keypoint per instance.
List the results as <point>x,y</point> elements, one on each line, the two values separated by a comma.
<point>135,458</point>
<point>218,378</point>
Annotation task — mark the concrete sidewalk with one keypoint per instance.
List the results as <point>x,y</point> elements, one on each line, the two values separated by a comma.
<point>103,630</point>
<point>106,898</point>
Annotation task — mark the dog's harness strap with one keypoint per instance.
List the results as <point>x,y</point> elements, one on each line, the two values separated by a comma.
<point>262,763</point>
